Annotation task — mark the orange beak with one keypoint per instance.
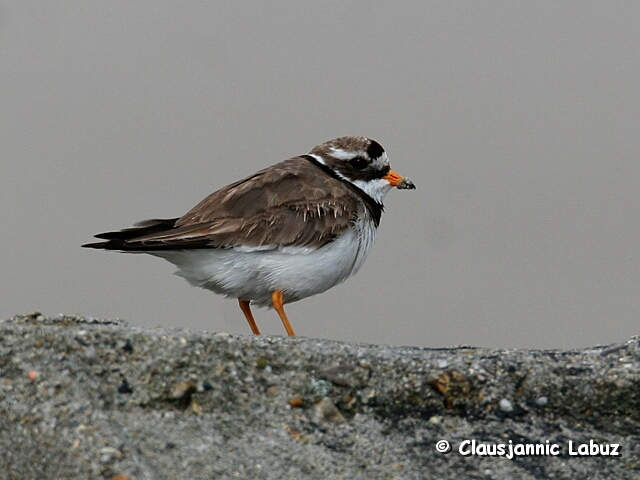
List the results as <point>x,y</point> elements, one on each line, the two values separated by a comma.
<point>398,181</point>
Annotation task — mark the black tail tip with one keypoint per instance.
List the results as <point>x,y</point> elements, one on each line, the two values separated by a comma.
<point>93,245</point>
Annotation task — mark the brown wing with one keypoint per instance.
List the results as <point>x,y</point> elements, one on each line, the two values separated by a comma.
<point>293,203</point>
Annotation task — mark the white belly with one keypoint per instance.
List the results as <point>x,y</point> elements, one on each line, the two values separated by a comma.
<point>253,275</point>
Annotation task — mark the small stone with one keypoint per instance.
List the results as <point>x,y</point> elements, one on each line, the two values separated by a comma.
<point>296,402</point>
<point>125,387</point>
<point>320,388</point>
<point>542,401</point>
<point>325,410</point>
<point>196,408</point>
<point>368,395</point>
<point>435,420</point>
<point>451,385</point>
<point>261,363</point>
<point>339,375</point>
<point>182,392</point>
<point>108,454</point>
<point>506,405</point>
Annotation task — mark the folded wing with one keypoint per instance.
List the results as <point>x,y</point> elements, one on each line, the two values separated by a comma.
<point>291,204</point>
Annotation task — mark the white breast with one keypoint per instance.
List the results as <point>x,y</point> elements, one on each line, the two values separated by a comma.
<point>253,274</point>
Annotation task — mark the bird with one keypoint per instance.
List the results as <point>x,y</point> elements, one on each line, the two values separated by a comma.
<point>287,232</point>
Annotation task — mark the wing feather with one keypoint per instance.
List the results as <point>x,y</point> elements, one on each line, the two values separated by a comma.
<point>290,204</point>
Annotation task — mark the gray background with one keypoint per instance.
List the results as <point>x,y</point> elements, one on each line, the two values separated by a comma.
<point>518,122</point>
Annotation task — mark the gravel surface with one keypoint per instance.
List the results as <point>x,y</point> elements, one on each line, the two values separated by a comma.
<point>87,398</point>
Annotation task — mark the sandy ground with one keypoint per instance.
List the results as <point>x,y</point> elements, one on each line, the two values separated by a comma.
<point>87,398</point>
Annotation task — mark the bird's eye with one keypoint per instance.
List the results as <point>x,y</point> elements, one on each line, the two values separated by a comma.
<point>359,163</point>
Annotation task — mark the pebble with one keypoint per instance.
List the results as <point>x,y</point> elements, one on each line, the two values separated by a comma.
<point>320,388</point>
<point>325,410</point>
<point>542,401</point>
<point>296,402</point>
<point>108,454</point>
<point>506,405</point>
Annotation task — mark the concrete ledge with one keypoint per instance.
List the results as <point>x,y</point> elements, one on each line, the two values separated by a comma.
<point>87,398</point>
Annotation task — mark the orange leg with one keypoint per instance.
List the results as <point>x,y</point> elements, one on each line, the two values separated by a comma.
<point>246,309</point>
<point>278,304</point>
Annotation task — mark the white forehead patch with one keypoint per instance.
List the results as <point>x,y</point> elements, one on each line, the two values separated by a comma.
<point>381,162</point>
